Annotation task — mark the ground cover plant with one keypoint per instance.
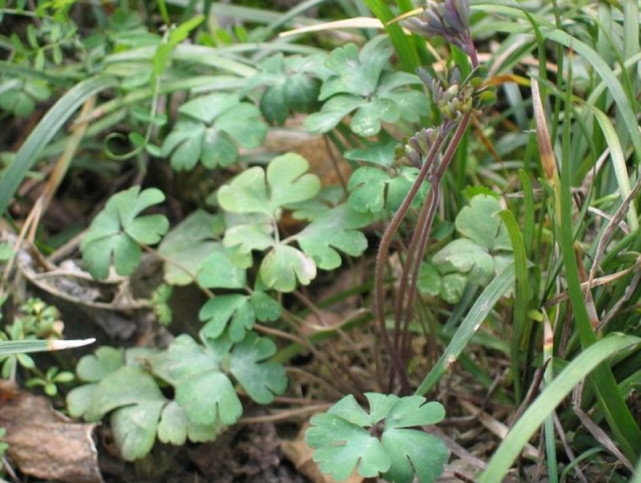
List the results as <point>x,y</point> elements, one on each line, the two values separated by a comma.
<point>351,239</point>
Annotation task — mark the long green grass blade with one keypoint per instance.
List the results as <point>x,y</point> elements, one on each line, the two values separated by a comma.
<point>477,314</point>
<point>549,399</point>
<point>624,105</point>
<point>528,208</point>
<point>521,328</point>
<point>618,163</point>
<point>12,347</point>
<point>48,126</point>
<point>617,413</point>
<point>403,45</point>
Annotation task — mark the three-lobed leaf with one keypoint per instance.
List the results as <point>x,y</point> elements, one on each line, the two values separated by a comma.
<point>186,246</point>
<point>118,230</point>
<point>481,253</point>
<point>211,130</point>
<point>237,313</point>
<point>201,375</point>
<point>359,85</point>
<point>336,229</point>
<point>285,266</point>
<point>379,442</point>
<point>258,191</point>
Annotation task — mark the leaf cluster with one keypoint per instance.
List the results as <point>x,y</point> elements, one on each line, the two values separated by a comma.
<point>127,386</point>
<point>481,252</point>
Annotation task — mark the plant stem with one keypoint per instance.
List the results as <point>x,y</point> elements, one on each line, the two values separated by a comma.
<point>383,255</point>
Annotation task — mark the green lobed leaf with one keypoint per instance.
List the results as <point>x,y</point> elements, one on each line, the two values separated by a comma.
<point>332,113</point>
<point>211,130</point>
<point>175,427</point>
<point>467,257</point>
<point>202,389</point>
<point>237,313</point>
<point>200,377</point>
<point>346,438</point>
<point>377,153</point>
<point>134,428</point>
<point>260,379</point>
<point>218,270</point>
<point>481,223</point>
<point>246,238</point>
<point>117,230</point>
<point>95,367</point>
<point>336,229</point>
<point>188,244</point>
<point>355,73</point>
<point>284,267</point>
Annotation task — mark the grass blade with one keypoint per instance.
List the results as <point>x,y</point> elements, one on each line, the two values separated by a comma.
<point>44,132</point>
<point>617,413</point>
<point>477,314</point>
<point>404,46</point>
<point>521,330</point>
<point>11,347</point>
<point>550,398</point>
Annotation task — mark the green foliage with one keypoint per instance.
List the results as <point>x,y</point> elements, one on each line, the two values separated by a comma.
<point>256,190</point>
<point>15,332</point>
<point>196,99</point>
<point>379,443</point>
<point>373,189</point>
<point>125,385</point>
<point>286,184</point>
<point>188,244</point>
<point>201,375</point>
<point>50,380</point>
<point>237,313</point>
<point>360,84</point>
<point>291,85</point>
<point>160,304</point>
<point>117,232</point>
<point>3,448</point>
<point>336,229</point>
<point>211,129</point>
<point>483,252</point>
<point>20,96</point>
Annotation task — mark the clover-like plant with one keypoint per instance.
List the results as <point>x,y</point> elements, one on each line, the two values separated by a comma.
<point>201,375</point>
<point>484,248</point>
<point>359,84</point>
<point>117,232</point>
<point>237,313</point>
<point>19,96</point>
<point>266,193</point>
<point>126,386</point>
<point>117,384</point>
<point>211,129</point>
<point>292,85</point>
<point>188,244</point>
<point>374,190</point>
<point>381,442</point>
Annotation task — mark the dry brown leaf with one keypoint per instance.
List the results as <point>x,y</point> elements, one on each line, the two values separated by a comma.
<point>42,442</point>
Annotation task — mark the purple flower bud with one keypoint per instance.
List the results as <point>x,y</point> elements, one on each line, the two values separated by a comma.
<point>445,18</point>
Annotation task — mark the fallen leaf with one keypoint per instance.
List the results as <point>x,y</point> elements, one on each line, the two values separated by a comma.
<point>42,442</point>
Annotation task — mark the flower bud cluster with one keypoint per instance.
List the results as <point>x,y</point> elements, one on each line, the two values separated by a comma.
<point>452,97</point>
<point>444,18</point>
<point>419,145</point>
